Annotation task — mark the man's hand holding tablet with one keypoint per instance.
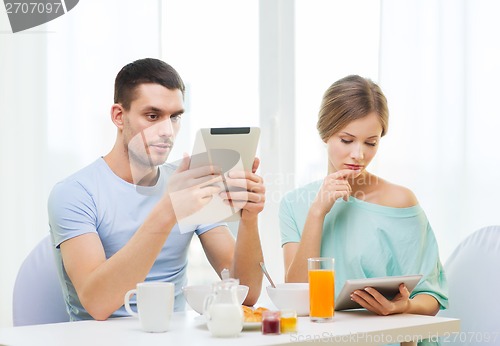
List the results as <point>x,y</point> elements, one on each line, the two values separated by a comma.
<point>231,151</point>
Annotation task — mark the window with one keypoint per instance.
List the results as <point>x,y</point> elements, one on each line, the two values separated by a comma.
<point>214,46</point>
<point>346,41</point>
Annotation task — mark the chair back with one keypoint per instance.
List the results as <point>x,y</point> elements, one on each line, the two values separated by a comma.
<point>474,278</point>
<point>38,297</point>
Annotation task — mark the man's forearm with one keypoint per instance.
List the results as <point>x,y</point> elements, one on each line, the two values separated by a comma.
<point>247,258</point>
<point>102,290</point>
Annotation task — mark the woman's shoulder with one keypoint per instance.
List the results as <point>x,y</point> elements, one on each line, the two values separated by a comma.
<point>396,196</point>
<point>303,194</point>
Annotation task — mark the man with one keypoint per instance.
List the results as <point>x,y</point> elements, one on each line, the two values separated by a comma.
<point>113,222</point>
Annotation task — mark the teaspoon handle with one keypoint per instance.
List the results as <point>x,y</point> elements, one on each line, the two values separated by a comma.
<point>264,270</point>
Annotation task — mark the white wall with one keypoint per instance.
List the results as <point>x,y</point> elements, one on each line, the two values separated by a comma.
<point>439,69</point>
<point>23,172</point>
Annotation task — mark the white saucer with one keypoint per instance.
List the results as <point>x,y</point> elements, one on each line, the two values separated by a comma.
<point>251,325</point>
<point>246,325</point>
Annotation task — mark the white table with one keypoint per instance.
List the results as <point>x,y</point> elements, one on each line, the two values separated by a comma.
<point>187,328</point>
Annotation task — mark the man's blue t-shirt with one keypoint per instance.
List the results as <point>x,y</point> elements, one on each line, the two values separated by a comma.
<point>95,200</point>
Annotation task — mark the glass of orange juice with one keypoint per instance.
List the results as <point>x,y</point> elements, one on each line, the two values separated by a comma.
<point>321,288</point>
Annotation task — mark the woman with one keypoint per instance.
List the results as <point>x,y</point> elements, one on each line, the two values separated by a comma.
<point>370,226</point>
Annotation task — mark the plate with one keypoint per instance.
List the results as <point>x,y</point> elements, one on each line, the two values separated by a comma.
<point>246,325</point>
<point>200,318</point>
<point>251,325</point>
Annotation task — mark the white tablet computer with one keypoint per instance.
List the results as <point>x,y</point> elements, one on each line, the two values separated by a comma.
<point>388,286</point>
<point>230,148</point>
<point>225,146</point>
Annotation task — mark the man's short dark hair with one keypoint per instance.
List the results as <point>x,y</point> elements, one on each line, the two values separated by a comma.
<point>142,71</point>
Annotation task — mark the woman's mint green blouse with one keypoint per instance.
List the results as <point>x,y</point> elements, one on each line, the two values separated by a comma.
<point>369,240</point>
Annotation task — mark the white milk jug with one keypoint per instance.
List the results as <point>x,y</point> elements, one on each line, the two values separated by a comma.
<point>222,310</point>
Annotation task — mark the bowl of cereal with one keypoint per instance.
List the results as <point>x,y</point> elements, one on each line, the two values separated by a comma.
<point>290,295</point>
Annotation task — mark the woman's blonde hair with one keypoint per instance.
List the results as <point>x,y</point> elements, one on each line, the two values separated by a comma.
<point>350,98</point>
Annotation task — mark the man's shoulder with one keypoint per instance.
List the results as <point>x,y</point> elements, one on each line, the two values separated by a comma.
<point>91,168</point>
<point>82,177</point>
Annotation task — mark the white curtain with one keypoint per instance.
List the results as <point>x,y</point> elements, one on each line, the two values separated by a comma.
<point>23,100</point>
<point>439,68</point>
<point>56,90</point>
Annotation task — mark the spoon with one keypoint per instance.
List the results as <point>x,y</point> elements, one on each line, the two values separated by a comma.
<point>264,270</point>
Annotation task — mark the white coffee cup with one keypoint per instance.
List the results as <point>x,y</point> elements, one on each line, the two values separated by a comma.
<point>155,305</point>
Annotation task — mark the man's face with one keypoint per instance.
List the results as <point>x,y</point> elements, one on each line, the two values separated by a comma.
<point>151,124</point>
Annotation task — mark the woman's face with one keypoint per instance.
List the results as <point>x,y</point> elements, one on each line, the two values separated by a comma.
<point>355,145</point>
